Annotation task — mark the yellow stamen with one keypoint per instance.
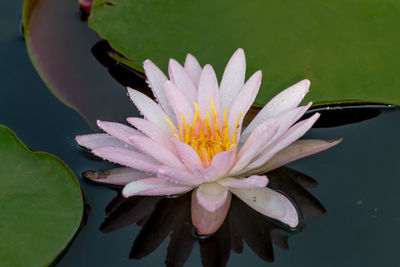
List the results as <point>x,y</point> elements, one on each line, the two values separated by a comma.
<point>206,135</point>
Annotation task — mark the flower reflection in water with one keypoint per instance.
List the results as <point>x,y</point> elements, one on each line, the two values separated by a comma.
<point>160,217</point>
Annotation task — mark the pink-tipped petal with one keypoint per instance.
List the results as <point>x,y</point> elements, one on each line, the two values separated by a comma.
<point>152,131</point>
<point>182,80</point>
<point>180,104</point>
<point>153,187</point>
<point>179,176</point>
<point>291,135</point>
<point>284,101</point>
<point>284,120</point>
<point>187,154</point>
<point>233,79</point>
<point>117,176</point>
<point>127,158</point>
<point>244,100</point>
<point>156,151</point>
<point>150,110</point>
<point>208,89</point>
<point>269,203</point>
<point>118,130</point>
<point>223,161</point>
<point>253,181</point>
<point>92,141</point>
<point>209,174</point>
<point>211,196</point>
<point>208,222</point>
<point>295,151</point>
<point>156,79</point>
<point>193,68</point>
<point>260,137</point>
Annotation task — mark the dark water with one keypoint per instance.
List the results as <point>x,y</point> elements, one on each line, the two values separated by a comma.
<point>358,180</point>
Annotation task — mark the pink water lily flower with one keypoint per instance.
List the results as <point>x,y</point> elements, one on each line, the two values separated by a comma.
<point>192,139</point>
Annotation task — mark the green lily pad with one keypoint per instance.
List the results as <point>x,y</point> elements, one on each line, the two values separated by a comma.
<point>40,202</point>
<point>348,49</point>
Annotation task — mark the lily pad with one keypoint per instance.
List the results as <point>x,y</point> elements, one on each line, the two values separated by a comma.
<point>60,45</point>
<point>40,201</point>
<point>348,49</point>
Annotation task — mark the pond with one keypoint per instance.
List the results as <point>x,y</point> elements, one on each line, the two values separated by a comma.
<point>357,182</point>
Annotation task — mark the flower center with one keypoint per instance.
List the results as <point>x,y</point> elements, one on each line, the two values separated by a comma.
<point>206,136</point>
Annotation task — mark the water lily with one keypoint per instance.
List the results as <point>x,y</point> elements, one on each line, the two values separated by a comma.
<point>192,138</point>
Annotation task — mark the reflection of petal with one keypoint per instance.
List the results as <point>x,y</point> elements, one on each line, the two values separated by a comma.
<point>252,227</point>
<point>181,239</point>
<point>207,222</point>
<point>172,217</point>
<point>280,240</point>
<point>167,215</point>
<point>130,211</point>
<point>269,203</point>
<point>215,250</point>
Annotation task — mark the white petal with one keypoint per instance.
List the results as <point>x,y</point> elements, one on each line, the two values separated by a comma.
<point>253,181</point>
<point>182,80</point>
<point>156,79</point>
<point>211,196</point>
<point>118,130</point>
<point>128,158</point>
<point>261,137</point>
<point>208,89</point>
<point>269,203</point>
<point>284,101</point>
<point>150,110</point>
<point>153,187</point>
<point>193,68</point>
<point>179,103</point>
<point>156,151</point>
<point>92,141</point>
<point>116,176</point>
<point>295,151</point>
<point>294,133</point>
<point>244,100</point>
<point>233,79</point>
<point>152,131</point>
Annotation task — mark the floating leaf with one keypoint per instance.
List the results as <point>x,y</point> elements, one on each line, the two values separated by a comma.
<point>40,201</point>
<point>348,49</point>
<point>59,45</point>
